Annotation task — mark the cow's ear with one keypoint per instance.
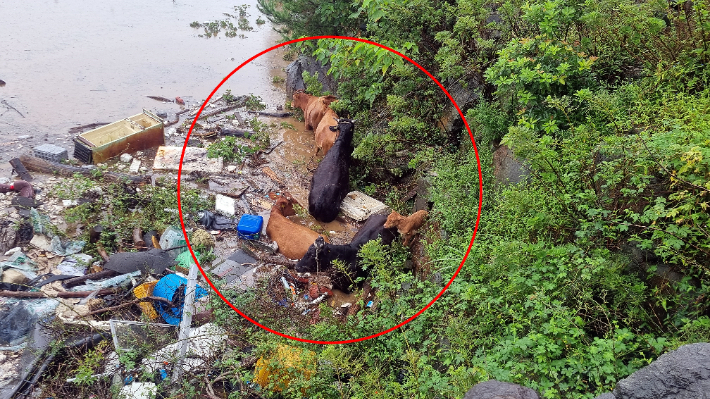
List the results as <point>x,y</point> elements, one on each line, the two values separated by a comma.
<point>333,128</point>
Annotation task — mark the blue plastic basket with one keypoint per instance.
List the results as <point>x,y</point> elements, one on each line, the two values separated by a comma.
<point>166,288</point>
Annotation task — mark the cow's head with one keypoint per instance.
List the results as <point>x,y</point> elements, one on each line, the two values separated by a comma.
<point>341,121</point>
<point>300,99</point>
<point>393,220</point>
<point>310,261</point>
<point>284,205</point>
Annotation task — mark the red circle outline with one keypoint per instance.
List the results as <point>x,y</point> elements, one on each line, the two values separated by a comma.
<point>480,188</point>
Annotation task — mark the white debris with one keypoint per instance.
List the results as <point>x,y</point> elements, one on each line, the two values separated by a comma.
<point>225,205</point>
<point>139,390</point>
<point>126,158</point>
<point>135,166</point>
<point>359,206</point>
<point>12,251</point>
<point>204,342</point>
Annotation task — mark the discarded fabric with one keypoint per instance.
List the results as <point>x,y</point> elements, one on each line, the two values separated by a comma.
<point>216,222</point>
<point>75,265</point>
<point>153,261</point>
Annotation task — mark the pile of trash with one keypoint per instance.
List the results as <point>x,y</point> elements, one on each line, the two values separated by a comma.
<point>152,304</point>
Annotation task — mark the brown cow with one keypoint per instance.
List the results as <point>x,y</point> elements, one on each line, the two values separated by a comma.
<point>293,239</point>
<point>406,226</point>
<point>325,137</point>
<point>313,107</point>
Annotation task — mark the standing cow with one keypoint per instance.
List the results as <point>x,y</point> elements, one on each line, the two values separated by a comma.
<point>331,180</point>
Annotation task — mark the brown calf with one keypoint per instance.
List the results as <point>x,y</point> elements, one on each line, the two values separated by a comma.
<point>406,226</point>
<point>293,239</point>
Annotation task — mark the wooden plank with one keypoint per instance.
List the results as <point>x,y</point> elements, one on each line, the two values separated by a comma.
<point>52,168</point>
<point>20,169</point>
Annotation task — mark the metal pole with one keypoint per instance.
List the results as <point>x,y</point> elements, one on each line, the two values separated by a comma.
<point>187,312</point>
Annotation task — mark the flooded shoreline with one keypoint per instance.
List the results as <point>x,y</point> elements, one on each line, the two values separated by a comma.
<point>69,64</point>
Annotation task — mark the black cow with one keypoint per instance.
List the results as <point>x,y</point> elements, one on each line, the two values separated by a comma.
<point>320,255</point>
<point>331,180</point>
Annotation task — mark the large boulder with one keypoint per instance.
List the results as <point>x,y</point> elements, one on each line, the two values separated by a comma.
<point>681,374</point>
<point>507,169</point>
<point>493,389</point>
<point>294,75</point>
<point>466,96</point>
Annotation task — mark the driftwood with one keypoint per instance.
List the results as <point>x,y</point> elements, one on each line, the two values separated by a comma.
<point>235,132</point>
<point>138,238</point>
<point>68,294</point>
<point>274,114</point>
<point>93,276</point>
<point>275,259</point>
<point>11,107</point>
<point>102,252</point>
<point>158,98</point>
<point>81,128</point>
<point>126,304</point>
<point>177,118</point>
<point>20,169</point>
<point>240,119</point>
<point>40,165</point>
<point>219,111</point>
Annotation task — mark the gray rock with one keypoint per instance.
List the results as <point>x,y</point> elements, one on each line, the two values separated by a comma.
<point>681,374</point>
<point>294,75</point>
<point>466,97</point>
<point>421,202</point>
<point>607,395</point>
<point>506,168</point>
<point>493,389</point>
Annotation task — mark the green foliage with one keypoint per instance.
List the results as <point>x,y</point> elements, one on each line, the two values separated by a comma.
<point>297,18</point>
<point>313,85</point>
<point>90,364</point>
<point>531,74</point>
<point>606,103</point>
<point>254,103</point>
<point>229,149</point>
<point>213,28</point>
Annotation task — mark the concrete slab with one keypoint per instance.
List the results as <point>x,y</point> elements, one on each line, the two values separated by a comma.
<point>168,158</point>
<point>359,206</point>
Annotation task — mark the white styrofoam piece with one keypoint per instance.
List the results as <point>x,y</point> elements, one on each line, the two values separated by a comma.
<point>359,206</point>
<point>135,165</point>
<point>225,205</point>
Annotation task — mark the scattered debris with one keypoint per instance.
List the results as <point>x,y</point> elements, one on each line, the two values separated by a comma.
<point>173,288</point>
<point>249,227</point>
<point>195,159</point>
<point>52,168</point>
<point>272,114</point>
<point>163,99</point>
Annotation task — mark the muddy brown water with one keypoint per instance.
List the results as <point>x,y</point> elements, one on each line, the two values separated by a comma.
<point>71,63</point>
